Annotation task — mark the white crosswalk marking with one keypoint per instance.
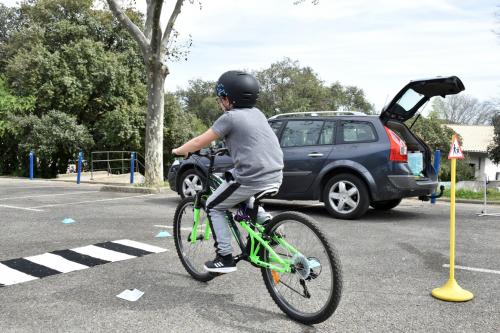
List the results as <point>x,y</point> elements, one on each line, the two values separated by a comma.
<point>142,246</point>
<point>101,253</point>
<point>56,262</point>
<point>63,261</point>
<point>10,276</point>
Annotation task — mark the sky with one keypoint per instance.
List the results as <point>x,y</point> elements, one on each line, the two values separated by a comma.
<point>378,46</point>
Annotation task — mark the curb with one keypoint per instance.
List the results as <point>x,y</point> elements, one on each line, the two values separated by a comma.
<point>83,181</point>
<point>134,189</point>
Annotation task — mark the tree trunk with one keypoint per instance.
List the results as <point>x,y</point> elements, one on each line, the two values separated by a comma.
<point>154,122</point>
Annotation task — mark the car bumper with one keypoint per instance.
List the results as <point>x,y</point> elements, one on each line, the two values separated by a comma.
<point>411,186</point>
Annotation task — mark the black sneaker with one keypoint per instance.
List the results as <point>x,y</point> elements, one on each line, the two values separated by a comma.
<point>221,264</point>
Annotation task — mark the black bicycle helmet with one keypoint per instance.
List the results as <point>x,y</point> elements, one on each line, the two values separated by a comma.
<point>241,88</point>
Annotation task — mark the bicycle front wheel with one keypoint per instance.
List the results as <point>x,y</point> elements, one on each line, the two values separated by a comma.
<point>311,292</point>
<point>193,253</point>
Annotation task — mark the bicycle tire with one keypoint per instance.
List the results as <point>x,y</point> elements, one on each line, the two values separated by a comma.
<point>194,269</point>
<point>334,262</point>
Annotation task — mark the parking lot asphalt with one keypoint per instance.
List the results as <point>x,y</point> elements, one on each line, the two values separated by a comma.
<point>391,262</point>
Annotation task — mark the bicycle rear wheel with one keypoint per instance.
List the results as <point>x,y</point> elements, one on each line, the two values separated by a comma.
<point>310,293</point>
<point>193,255</point>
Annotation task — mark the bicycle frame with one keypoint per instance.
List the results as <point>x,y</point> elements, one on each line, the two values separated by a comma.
<point>251,251</point>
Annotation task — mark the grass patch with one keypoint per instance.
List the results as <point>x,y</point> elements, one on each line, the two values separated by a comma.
<point>492,195</point>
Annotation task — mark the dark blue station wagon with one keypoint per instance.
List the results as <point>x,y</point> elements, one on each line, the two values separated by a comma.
<point>347,160</point>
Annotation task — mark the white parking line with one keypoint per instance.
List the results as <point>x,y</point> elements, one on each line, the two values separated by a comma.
<point>22,208</point>
<point>90,201</point>
<point>482,270</point>
<point>41,187</point>
<point>46,195</point>
<point>171,227</point>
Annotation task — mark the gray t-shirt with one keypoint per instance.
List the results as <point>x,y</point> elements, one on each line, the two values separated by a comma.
<point>253,146</point>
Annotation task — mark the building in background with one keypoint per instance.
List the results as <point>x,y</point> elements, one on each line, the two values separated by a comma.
<point>475,142</point>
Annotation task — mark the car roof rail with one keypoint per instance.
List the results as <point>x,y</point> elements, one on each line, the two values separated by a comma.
<point>317,114</point>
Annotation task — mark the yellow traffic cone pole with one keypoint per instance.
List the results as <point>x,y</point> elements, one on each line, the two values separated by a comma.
<point>452,218</point>
<point>451,291</point>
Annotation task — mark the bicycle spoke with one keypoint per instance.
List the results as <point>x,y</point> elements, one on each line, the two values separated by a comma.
<point>194,254</point>
<point>308,288</point>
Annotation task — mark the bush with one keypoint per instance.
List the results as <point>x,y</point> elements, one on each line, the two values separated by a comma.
<point>464,170</point>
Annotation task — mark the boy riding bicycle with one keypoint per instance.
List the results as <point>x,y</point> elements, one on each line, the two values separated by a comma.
<point>256,154</point>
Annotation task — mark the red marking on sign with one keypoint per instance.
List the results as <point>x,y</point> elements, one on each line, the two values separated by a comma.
<point>455,149</point>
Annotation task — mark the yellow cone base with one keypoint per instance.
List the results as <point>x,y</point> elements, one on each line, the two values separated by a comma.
<point>452,292</point>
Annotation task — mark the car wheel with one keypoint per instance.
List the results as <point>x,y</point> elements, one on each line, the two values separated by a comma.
<point>190,183</point>
<point>346,197</point>
<point>386,204</point>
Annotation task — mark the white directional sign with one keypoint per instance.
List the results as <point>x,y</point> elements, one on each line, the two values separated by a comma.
<point>455,150</point>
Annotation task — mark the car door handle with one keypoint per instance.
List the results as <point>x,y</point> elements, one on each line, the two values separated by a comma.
<point>315,155</point>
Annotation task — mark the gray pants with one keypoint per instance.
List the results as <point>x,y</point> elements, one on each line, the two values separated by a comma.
<point>228,195</point>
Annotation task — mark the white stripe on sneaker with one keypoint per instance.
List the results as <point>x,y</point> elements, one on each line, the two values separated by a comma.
<point>221,269</point>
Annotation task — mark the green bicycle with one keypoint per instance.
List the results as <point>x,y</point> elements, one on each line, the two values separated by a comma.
<point>300,268</point>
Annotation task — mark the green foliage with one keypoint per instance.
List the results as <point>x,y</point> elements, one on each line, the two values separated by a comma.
<point>437,136</point>
<point>68,69</point>
<point>288,87</point>
<point>121,129</point>
<point>55,138</point>
<point>433,132</point>
<point>494,147</point>
<point>464,169</point>
<point>10,106</point>
<point>349,98</point>
<point>9,23</point>
<point>74,59</point>
<point>199,99</point>
<point>13,104</point>
<point>284,87</point>
<point>72,78</point>
<point>65,61</point>
<point>491,194</point>
<point>179,126</point>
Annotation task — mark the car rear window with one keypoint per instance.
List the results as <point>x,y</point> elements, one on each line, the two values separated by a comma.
<point>301,133</point>
<point>357,132</point>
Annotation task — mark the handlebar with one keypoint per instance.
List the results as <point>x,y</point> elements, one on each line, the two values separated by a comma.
<point>210,152</point>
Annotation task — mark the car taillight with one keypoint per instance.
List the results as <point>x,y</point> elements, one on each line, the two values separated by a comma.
<point>398,152</point>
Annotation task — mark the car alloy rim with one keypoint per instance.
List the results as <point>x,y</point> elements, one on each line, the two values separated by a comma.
<point>344,197</point>
<point>191,184</point>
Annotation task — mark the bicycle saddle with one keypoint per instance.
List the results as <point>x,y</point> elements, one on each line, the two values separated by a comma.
<point>270,192</point>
